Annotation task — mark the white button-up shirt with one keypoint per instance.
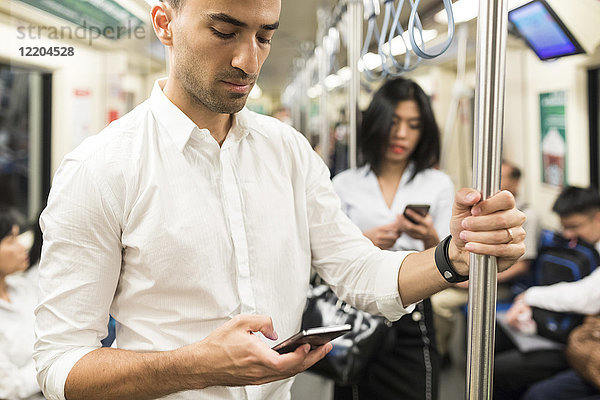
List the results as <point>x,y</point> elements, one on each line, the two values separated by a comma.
<point>363,201</point>
<point>582,296</point>
<point>153,222</point>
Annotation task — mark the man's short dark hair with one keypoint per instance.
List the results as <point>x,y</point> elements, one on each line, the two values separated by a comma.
<point>577,200</point>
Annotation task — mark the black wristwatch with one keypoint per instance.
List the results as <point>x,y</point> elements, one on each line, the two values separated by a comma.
<point>444,265</point>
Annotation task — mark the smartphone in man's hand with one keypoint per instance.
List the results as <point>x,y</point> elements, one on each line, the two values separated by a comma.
<point>421,209</point>
<point>314,336</point>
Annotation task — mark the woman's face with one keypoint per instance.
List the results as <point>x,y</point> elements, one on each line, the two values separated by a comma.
<point>13,256</point>
<point>405,132</point>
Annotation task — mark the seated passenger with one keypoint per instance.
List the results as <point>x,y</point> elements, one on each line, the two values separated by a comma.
<point>564,385</point>
<point>18,298</point>
<point>515,371</point>
<point>582,297</point>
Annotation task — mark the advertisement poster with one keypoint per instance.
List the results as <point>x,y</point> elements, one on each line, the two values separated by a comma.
<point>554,143</point>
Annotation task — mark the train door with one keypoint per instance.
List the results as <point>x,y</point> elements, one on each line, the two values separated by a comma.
<point>25,125</point>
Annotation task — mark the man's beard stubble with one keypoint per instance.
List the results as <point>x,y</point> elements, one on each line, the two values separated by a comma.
<point>201,93</point>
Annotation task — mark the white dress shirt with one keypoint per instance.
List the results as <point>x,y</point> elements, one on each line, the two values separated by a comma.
<point>582,296</point>
<point>17,371</point>
<point>364,204</point>
<point>153,222</point>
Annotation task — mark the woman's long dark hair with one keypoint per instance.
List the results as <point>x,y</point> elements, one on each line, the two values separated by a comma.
<point>377,125</point>
<point>8,219</point>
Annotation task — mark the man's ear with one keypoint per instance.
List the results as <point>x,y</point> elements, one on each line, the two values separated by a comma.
<point>162,16</point>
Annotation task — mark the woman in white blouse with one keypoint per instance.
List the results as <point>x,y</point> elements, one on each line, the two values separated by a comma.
<point>18,298</point>
<point>400,146</point>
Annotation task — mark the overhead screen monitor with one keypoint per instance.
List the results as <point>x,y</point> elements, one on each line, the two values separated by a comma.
<point>543,30</point>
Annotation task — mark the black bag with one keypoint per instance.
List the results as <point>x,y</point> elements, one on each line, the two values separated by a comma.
<point>555,325</point>
<point>561,260</point>
<point>353,351</point>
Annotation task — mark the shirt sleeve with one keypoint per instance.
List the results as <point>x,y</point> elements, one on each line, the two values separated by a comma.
<point>78,273</point>
<point>582,297</point>
<point>357,271</point>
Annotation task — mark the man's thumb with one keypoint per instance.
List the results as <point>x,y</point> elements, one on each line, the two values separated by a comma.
<point>465,198</point>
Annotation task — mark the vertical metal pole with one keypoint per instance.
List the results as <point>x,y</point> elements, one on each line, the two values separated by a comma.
<point>297,94</point>
<point>307,73</point>
<point>35,145</point>
<point>489,112</point>
<point>355,28</point>
<point>323,66</point>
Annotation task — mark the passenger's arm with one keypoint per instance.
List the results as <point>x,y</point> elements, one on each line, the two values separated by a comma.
<point>230,356</point>
<point>389,282</point>
<point>582,296</point>
<point>78,274</point>
<point>481,229</point>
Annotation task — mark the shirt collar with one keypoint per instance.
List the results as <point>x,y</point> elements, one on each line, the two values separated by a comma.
<point>180,127</point>
<point>244,122</point>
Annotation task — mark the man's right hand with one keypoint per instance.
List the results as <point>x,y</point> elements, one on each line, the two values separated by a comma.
<point>383,236</point>
<point>232,355</point>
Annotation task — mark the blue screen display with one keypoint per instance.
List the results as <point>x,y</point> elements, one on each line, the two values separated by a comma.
<point>542,31</point>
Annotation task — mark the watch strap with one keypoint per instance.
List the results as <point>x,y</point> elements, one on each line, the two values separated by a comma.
<point>444,265</point>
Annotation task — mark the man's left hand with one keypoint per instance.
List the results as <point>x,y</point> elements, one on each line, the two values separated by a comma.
<point>489,227</point>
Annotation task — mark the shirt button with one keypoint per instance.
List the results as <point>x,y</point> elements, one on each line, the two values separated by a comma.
<point>417,316</point>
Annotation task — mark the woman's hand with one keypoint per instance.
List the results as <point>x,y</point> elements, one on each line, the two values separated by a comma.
<point>421,229</point>
<point>383,236</point>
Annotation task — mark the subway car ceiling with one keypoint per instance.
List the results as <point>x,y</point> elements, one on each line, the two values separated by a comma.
<point>301,23</point>
<point>90,78</point>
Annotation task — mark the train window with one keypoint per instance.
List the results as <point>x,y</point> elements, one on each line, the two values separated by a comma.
<point>24,138</point>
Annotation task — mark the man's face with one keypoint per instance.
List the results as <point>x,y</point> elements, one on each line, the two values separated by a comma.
<point>219,47</point>
<point>585,226</point>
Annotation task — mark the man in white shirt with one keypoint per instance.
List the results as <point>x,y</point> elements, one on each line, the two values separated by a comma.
<point>195,222</point>
<point>579,212</point>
